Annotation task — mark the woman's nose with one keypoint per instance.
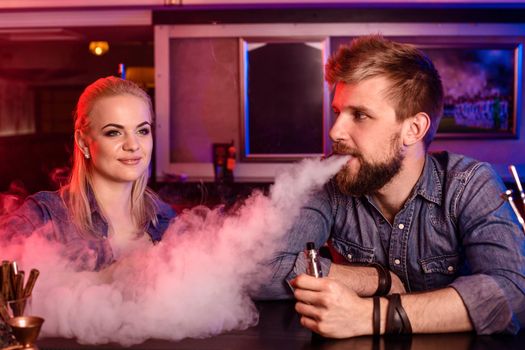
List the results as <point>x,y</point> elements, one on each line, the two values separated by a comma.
<point>131,143</point>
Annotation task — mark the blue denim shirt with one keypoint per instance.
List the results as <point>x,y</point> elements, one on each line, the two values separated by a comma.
<point>454,230</point>
<point>46,213</point>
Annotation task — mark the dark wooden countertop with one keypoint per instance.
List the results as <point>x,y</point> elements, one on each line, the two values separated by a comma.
<point>279,329</point>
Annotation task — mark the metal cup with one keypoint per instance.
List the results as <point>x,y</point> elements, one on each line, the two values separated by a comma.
<point>26,330</point>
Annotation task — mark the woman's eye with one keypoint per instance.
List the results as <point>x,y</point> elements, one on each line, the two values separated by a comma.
<point>144,131</point>
<point>112,133</point>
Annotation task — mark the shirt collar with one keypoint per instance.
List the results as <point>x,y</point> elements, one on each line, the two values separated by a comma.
<point>429,184</point>
<point>99,222</point>
<point>164,215</point>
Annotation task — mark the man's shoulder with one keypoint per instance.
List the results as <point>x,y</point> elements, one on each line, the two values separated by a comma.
<point>459,166</point>
<point>458,172</point>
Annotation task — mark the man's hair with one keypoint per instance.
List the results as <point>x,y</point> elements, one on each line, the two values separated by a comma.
<point>415,83</point>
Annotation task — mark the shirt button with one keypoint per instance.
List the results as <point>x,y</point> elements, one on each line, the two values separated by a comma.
<point>450,268</point>
<point>401,226</point>
<point>397,261</point>
<point>349,256</point>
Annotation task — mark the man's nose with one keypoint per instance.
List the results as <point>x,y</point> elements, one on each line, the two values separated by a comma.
<point>339,131</point>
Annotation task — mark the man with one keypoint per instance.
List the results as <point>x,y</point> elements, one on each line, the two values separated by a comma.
<point>437,223</point>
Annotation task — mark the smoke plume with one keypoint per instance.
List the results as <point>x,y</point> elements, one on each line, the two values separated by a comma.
<point>194,283</point>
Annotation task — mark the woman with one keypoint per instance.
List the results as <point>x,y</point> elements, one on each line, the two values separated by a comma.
<point>106,209</point>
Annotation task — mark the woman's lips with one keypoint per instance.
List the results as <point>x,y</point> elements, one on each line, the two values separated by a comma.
<point>130,161</point>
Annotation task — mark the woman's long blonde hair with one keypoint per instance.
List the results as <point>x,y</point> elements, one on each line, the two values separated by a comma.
<point>76,195</point>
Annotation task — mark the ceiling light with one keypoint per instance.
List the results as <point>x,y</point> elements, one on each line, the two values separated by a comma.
<point>98,48</point>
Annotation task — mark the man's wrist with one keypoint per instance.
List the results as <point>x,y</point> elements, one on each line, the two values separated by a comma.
<point>397,321</point>
<point>362,278</point>
<point>384,283</point>
<point>383,309</point>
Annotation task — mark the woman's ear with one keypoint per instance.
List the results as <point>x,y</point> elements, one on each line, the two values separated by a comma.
<point>416,128</point>
<point>81,142</point>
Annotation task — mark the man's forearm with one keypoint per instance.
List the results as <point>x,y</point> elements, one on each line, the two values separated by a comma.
<point>330,308</point>
<point>363,280</point>
<point>439,311</point>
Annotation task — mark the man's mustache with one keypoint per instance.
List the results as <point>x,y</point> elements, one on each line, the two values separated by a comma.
<point>340,148</point>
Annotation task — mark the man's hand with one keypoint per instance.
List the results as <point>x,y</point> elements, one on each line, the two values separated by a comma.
<point>330,308</point>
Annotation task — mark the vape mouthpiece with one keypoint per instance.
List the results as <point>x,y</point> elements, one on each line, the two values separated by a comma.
<point>314,265</point>
<point>328,155</point>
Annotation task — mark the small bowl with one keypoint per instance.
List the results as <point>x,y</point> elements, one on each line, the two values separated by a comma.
<point>26,329</point>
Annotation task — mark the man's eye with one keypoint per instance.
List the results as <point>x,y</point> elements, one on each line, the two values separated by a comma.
<point>360,115</point>
<point>112,133</point>
<point>144,131</point>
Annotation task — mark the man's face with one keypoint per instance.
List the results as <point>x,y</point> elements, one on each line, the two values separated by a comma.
<point>367,129</point>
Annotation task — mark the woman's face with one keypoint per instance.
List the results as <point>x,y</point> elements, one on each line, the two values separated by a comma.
<point>119,138</point>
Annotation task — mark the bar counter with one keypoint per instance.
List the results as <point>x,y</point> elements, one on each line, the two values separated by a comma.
<point>279,328</point>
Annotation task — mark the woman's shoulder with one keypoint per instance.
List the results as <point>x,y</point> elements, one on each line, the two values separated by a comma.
<point>164,210</point>
<point>34,212</point>
<point>50,202</point>
<point>46,196</point>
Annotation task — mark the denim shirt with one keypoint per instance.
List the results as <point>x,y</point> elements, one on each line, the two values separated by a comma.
<point>454,230</point>
<point>46,213</point>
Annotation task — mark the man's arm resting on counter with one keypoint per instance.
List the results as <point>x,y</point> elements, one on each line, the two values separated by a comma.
<point>362,279</point>
<point>438,311</point>
<point>330,308</point>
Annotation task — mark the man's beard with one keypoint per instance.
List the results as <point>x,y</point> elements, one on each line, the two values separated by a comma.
<point>370,177</point>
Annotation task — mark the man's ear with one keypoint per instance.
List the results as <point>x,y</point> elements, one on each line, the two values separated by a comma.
<point>416,128</point>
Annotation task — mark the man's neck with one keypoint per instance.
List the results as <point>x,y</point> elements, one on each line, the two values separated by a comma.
<point>392,197</point>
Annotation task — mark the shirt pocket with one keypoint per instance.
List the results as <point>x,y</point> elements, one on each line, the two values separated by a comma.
<point>353,252</point>
<point>439,271</point>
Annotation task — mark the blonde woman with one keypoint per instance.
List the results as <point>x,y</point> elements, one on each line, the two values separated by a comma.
<point>106,209</point>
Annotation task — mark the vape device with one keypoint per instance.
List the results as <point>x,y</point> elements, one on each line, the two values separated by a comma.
<point>314,266</point>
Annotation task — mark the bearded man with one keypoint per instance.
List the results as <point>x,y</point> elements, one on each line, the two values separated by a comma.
<point>421,242</point>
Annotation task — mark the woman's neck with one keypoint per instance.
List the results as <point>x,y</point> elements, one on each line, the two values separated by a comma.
<point>114,198</point>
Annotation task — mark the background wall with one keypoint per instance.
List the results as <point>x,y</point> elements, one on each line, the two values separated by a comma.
<point>40,81</point>
<point>499,152</point>
<point>56,71</point>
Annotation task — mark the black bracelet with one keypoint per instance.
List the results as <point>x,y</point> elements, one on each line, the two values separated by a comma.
<point>407,327</point>
<point>397,321</point>
<point>394,325</point>
<point>384,280</point>
<point>376,317</point>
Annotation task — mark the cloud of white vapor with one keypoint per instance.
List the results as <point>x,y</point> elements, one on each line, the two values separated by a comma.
<point>195,283</point>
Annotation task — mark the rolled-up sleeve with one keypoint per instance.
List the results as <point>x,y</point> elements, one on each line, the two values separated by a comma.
<point>312,225</point>
<point>487,317</point>
<point>494,292</point>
